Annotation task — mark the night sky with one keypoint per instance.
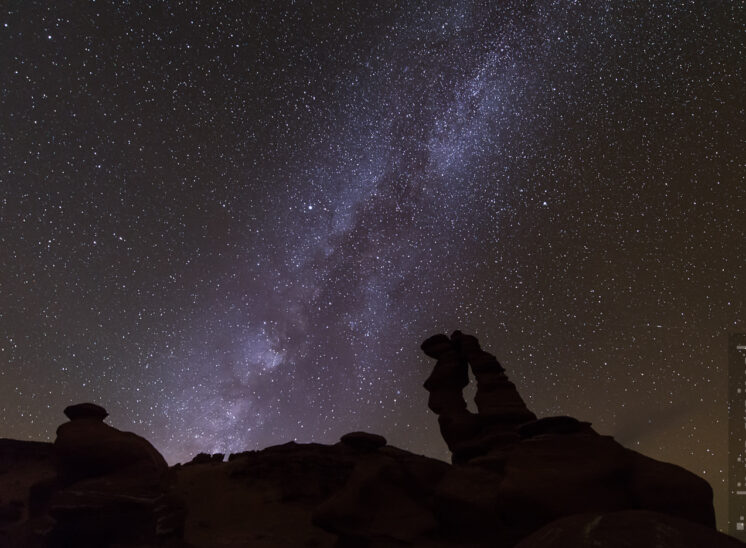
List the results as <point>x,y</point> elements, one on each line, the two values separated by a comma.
<point>233,223</point>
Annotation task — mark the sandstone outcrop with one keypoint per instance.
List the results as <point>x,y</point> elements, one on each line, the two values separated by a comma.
<point>100,487</point>
<point>500,407</point>
<point>86,447</point>
<point>515,481</point>
<point>530,471</point>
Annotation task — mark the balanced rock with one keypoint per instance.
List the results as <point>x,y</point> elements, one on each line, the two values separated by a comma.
<point>516,481</point>
<point>363,441</point>
<point>85,411</point>
<point>436,346</point>
<point>112,484</point>
<point>514,468</point>
<point>501,409</point>
<point>86,447</point>
<point>496,396</point>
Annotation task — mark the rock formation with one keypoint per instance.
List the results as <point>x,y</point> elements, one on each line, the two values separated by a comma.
<point>86,447</point>
<point>23,466</point>
<point>500,407</point>
<point>516,481</point>
<point>101,487</point>
<point>112,484</point>
<point>530,471</point>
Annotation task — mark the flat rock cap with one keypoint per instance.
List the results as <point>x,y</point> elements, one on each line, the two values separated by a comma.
<point>85,411</point>
<point>364,441</point>
<point>437,346</point>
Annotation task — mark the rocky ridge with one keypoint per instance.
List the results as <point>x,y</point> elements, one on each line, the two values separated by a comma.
<point>516,480</point>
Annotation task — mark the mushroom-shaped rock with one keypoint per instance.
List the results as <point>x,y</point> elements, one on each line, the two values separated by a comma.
<point>86,447</point>
<point>86,411</point>
<point>363,441</point>
<point>111,484</point>
<point>436,346</point>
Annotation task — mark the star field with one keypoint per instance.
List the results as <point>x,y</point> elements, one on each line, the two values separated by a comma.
<point>232,224</point>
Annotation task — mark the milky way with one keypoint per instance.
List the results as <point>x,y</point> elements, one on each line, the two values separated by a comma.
<point>233,226</point>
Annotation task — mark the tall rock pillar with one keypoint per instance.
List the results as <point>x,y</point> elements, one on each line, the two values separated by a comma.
<point>500,408</point>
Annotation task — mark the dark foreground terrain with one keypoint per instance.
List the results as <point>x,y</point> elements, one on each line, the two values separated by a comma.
<point>515,481</point>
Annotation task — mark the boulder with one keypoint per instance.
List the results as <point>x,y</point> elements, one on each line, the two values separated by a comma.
<point>85,411</point>
<point>363,441</point>
<point>437,346</point>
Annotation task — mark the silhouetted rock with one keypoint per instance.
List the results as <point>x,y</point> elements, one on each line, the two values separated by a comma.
<point>528,472</point>
<point>92,517</point>
<point>203,458</point>
<point>263,498</point>
<point>500,407</point>
<point>437,346</point>
<point>86,447</point>
<point>364,441</point>
<point>111,482</point>
<point>388,497</point>
<point>24,466</point>
<point>85,411</point>
<point>446,384</point>
<point>498,402</point>
<point>517,481</point>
